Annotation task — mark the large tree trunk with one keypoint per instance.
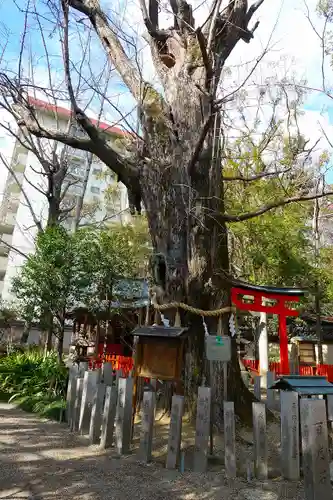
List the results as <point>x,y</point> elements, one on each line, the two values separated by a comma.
<point>184,208</point>
<point>60,346</point>
<point>26,332</point>
<point>60,337</point>
<point>48,330</point>
<point>48,340</point>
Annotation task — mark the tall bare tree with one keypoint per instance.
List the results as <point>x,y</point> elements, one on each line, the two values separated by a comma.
<point>175,166</point>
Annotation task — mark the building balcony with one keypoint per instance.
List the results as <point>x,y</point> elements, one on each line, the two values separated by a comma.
<point>6,228</point>
<point>4,250</point>
<point>77,153</point>
<point>3,263</point>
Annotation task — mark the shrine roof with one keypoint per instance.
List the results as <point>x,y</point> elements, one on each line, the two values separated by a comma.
<point>304,385</point>
<point>159,331</point>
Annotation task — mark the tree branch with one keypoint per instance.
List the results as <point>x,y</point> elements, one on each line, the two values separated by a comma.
<point>129,74</point>
<point>205,57</point>
<point>252,10</point>
<point>198,147</point>
<point>14,249</point>
<point>25,116</point>
<point>255,177</point>
<point>275,204</point>
<point>79,114</point>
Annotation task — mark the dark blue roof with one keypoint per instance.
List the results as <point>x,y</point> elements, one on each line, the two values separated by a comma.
<point>304,385</point>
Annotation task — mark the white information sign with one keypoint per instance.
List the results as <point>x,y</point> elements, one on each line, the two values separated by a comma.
<point>218,348</point>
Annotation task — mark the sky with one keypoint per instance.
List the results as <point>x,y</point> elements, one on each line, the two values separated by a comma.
<point>293,52</point>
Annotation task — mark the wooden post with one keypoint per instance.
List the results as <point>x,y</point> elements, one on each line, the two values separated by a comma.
<point>316,470</point>
<point>147,425</point>
<point>202,429</point>
<point>107,373</point>
<point>96,414</point>
<point>175,432</point>
<point>109,416</point>
<point>260,440</point>
<point>290,456</point>
<point>270,376</point>
<point>225,392</point>
<point>83,368</point>
<point>124,415</point>
<point>73,373</point>
<point>90,381</point>
<point>77,405</point>
<point>257,387</point>
<point>135,382</point>
<point>229,439</point>
<point>330,411</point>
<point>225,381</point>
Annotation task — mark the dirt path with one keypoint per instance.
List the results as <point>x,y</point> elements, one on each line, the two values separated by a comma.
<point>42,460</point>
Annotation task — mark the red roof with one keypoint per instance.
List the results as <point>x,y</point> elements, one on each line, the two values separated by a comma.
<point>66,113</point>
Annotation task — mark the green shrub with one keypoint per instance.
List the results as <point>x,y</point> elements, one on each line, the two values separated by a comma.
<point>35,382</point>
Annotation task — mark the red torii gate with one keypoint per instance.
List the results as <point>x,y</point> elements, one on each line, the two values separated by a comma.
<point>278,295</point>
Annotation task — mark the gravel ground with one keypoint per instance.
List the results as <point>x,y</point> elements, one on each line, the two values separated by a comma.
<point>42,460</point>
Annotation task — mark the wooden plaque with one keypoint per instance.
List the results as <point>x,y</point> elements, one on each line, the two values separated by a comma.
<point>159,360</point>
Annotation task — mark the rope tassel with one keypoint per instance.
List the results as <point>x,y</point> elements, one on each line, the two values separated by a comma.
<point>177,322</point>
<point>219,327</point>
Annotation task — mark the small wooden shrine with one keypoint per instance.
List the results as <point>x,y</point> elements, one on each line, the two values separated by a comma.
<point>159,352</point>
<point>107,329</point>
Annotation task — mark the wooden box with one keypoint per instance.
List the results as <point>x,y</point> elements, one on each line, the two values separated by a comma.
<point>159,352</point>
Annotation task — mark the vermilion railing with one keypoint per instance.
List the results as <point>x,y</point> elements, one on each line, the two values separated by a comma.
<point>321,370</point>
<point>123,363</point>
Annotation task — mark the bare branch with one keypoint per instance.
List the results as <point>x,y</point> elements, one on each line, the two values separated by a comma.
<point>204,52</point>
<point>200,142</point>
<point>215,11</point>
<point>321,37</point>
<point>23,40</point>
<point>275,204</point>
<point>111,43</point>
<point>253,9</point>
<point>256,177</point>
<point>13,249</point>
<point>153,12</point>
<point>34,186</point>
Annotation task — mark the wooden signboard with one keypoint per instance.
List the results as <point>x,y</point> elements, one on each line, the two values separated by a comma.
<point>159,354</point>
<point>306,353</point>
<point>160,359</point>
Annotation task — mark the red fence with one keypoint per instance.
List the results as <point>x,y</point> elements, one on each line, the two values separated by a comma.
<point>322,370</point>
<point>123,363</point>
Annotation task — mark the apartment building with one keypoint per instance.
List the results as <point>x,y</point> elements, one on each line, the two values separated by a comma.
<point>89,184</point>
